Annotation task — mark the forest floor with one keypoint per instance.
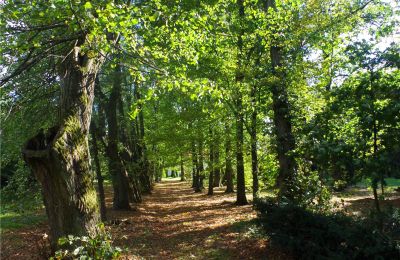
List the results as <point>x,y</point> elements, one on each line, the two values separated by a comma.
<point>171,223</point>
<point>174,223</point>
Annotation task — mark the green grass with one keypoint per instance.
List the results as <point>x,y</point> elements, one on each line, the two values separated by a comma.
<point>14,220</point>
<point>171,179</point>
<point>391,183</point>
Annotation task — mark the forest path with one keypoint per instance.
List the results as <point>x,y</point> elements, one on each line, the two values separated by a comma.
<point>176,223</point>
<point>171,223</point>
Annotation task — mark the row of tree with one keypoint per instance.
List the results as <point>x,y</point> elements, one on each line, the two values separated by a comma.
<point>286,87</point>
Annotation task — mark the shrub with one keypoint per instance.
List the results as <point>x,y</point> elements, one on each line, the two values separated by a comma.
<point>22,193</point>
<point>339,185</point>
<point>308,191</point>
<point>97,247</point>
<point>311,235</point>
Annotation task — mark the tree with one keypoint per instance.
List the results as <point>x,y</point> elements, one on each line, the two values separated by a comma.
<point>59,157</point>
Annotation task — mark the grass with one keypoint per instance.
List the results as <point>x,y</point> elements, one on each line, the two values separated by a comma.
<point>21,211</point>
<point>14,220</point>
<point>391,183</point>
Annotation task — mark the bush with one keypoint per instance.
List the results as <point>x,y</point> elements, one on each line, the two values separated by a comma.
<point>310,235</point>
<point>22,192</point>
<point>339,185</point>
<point>308,191</point>
<point>98,247</point>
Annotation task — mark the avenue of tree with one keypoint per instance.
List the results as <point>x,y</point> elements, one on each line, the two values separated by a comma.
<point>293,97</point>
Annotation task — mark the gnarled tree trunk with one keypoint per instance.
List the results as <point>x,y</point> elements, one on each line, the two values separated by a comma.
<point>60,158</point>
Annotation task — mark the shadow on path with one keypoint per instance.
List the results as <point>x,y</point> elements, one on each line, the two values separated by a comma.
<point>171,223</point>
<point>176,223</point>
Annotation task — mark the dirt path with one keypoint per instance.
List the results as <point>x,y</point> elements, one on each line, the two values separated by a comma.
<point>171,223</point>
<point>176,223</point>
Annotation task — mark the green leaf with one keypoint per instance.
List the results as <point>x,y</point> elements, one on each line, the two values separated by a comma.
<point>88,5</point>
<point>62,241</point>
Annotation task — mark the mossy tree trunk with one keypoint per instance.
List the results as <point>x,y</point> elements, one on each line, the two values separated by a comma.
<point>60,158</point>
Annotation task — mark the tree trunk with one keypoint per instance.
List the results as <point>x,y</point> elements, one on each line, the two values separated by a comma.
<point>60,158</point>
<point>253,137</point>
<point>283,128</point>
<point>200,169</point>
<point>117,170</point>
<point>375,144</point>
<point>211,166</point>
<point>241,188</point>
<point>375,130</point>
<point>98,173</point>
<point>183,178</point>
<point>196,171</point>
<point>282,123</point>
<point>228,162</point>
<point>217,169</point>
<point>145,178</point>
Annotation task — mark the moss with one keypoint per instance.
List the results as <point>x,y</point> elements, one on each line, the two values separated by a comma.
<point>71,124</point>
<point>72,138</point>
<point>90,199</point>
<point>84,99</point>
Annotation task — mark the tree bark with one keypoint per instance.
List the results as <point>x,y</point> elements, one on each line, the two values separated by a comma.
<point>228,162</point>
<point>211,166</point>
<point>375,145</point>
<point>200,168</point>
<point>60,158</point>
<point>195,167</point>
<point>240,189</point>
<point>183,178</point>
<point>217,169</point>
<point>117,170</point>
<point>282,121</point>
<point>145,178</point>
<point>375,130</point>
<point>253,137</point>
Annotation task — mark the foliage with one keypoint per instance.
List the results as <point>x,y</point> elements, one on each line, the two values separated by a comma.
<point>311,235</point>
<point>182,75</point>
<point>22,192</point>
<point>97,247</point>
<point>310,192</point>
